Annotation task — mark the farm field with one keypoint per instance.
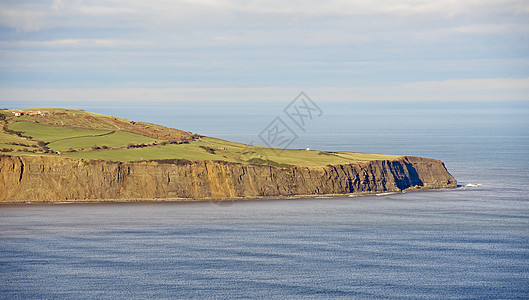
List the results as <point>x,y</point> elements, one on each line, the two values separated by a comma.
<point>111,139</point>
<point>98,142</point>
<point>216,149</point>
<point>50,134</point>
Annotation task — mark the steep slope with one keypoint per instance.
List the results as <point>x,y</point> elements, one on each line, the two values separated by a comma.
<point>79,134</point>
<point>74,118</point>
<point>41,178</point>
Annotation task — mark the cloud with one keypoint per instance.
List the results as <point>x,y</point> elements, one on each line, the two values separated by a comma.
<point>22,19</point>
<point>491,89</point>
<point>369,44</point>
<point>401,8</point>
<point>487,89</point>
<point>209,23</point>
<point>77,43</point>
<point>404,8</point>
<point>149,95</point>
<point>487,29</point>
<point>165,13</point>
<point>106,10</point>
<point>471,84</point>
<point>57,5</point>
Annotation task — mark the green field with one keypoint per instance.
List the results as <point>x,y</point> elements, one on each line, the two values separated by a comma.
<point>8,140</point>
<point>233,152</point>
<point>112,139</point>
<point>50,134</point>
<point>61,139</point>
<point>187,151</point>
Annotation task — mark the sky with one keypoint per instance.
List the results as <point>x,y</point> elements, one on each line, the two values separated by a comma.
<point>227,50</point>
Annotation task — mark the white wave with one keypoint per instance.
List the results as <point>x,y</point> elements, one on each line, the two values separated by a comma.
<point>472,185</point>
<point>384,194</point>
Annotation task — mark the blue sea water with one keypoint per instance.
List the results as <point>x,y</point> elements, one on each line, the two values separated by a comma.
<point>466,243</point>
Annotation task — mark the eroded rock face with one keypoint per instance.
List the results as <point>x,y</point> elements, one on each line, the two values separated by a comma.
<point>44,178</point>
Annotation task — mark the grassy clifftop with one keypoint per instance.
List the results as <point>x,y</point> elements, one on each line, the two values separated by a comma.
<point>81,134</point>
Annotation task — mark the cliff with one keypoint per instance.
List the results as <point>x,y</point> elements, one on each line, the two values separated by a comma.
<point>46,178</point>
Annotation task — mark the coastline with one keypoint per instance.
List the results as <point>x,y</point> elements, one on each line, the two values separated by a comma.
<point>222,200</point>
<point>65,180</point>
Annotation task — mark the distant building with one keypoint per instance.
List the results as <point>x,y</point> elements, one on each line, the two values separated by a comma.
<point>29,113</point>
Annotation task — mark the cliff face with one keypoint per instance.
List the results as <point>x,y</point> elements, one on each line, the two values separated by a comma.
<point>42,178</point>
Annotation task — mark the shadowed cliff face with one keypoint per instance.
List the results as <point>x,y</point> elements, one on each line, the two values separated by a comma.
<point>42,178</point>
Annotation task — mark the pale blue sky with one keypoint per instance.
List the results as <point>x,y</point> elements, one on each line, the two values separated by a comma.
<point>363,50</point>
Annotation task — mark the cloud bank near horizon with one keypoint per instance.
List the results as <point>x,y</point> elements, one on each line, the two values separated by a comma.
<point>356,50</point>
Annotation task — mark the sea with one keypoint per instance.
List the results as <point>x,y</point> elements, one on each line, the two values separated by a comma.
<point>471,242</point>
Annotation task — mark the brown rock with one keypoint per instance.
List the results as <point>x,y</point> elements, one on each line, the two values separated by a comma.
<point>45,178</point>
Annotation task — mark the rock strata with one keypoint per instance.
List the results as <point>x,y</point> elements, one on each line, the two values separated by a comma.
<point>46,178</point>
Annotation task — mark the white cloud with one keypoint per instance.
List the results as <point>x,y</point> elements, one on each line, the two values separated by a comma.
<point>107,10</point>
<point>488,89</point>
<point>22,19</point>
<point>185,23</point>
<point>164,12</point>
<point>147,95</point>
<point>57,5</point>
<point>492,89</point>
<point>266,43</point>
<point>471,84</point>
<point>486,29</point>
<point>78,43</point>
<point>405,8</point>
